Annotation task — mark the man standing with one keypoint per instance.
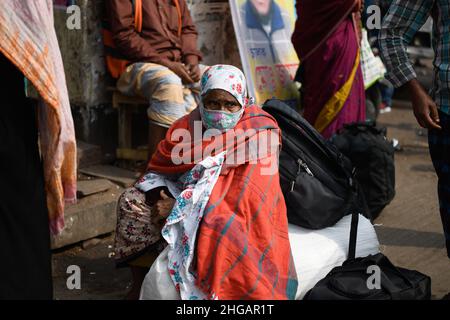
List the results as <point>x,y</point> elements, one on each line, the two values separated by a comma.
<point>164,58</point>
<point>404,19</point>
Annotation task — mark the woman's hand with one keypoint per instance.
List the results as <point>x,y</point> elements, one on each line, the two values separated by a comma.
<point>162,208</point>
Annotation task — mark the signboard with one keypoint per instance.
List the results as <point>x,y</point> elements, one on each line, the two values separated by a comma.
<point>263,30</point>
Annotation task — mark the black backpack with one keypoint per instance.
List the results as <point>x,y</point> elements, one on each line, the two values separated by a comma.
<point>372,154</point>
<point>351,280</point>
<point>316,179</point>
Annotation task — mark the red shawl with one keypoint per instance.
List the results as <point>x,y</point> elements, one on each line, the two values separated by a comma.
<point>316,21</point>
<point>242,248</point>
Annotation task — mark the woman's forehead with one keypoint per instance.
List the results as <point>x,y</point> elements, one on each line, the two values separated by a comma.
<point>219,94</point>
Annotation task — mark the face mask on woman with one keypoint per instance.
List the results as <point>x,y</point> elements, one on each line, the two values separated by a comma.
<point>220,120</point>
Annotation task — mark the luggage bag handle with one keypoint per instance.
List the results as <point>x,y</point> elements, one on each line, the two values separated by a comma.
<point>353,236</point>
<point>385,281</point>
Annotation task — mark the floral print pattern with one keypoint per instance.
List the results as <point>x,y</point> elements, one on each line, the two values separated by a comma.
<point>182,224</point>
<point>134,231</point>
<point>228,78</point>
<point>153,180</point>
<point>221,120</point>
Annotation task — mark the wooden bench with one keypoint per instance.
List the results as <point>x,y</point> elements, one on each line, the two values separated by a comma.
<point>125,106</point>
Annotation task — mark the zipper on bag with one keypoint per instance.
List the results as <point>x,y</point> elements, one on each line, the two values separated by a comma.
<point>301,165</point>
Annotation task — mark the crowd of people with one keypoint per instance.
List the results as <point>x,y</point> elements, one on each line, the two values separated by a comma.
<point>221,216</point>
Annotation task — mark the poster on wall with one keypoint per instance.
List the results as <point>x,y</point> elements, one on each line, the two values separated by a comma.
<point>263,30</point>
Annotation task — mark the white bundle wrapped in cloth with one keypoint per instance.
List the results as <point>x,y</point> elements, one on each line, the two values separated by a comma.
<point>315,253</point>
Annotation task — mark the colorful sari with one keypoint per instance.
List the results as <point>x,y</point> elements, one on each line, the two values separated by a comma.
<point>327,44</point>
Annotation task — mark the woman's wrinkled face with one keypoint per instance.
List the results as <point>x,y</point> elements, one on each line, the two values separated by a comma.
<point>220,100</point>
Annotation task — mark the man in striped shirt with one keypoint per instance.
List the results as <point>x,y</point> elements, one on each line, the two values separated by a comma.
<point>404,19</point>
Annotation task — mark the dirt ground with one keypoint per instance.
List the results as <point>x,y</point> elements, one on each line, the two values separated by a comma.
<point>409,229</point>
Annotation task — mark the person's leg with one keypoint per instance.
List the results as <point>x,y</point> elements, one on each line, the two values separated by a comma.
<point>24,229</point>
<point>168,99</point>
<point>156,133</point>
<point>387,92</point>
<point>439,142</point>
<point>135,235</point>
<point>163,89</point>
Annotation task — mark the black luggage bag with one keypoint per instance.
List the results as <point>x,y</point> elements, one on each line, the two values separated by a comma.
<point>372,154</point>
<point>316,178</point>
<point>370,278</point>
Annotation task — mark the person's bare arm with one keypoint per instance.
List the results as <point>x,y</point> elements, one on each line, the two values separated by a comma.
<point>425,109</point>
<point>404,19</point>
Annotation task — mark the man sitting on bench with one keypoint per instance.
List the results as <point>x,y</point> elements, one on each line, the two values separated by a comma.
<point>164,59</point>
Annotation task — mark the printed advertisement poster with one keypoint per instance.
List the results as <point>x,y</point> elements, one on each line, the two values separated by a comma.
<point>263,30</point>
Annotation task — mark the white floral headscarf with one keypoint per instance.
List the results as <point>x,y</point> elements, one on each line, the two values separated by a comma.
<point>228,78</point>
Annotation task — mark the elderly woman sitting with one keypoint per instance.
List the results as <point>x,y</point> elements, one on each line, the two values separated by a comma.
<point>212,194</point>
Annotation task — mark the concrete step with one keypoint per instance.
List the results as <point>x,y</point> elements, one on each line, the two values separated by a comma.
<point>92,186</point>
<point>92,216</point>
<point>95,212</point>
<point>121,176</point>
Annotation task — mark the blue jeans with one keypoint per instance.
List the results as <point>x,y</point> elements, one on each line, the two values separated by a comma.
<point>387,92</point>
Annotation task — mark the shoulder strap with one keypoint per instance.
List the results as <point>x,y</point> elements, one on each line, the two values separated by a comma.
<point>353,236</point>
<point>180,17</point>
<point>137,10</point>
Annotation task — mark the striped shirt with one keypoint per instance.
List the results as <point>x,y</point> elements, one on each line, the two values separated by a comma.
<point>404,19</point>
